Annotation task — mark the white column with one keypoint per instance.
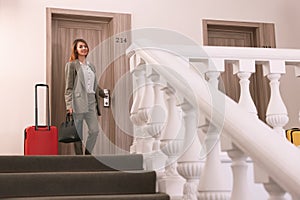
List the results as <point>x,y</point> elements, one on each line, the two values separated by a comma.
<point>173,126</point>
<point>155,125</point>
<point>276,114</point>
<point>158,112</point>
<point>246,100</point>
<point>138,72</point>
<point>171,145</point>
<point>146,104</point>
<point>240,189</point>
<point>147,98</point>
<point>297,74</point>
<point>239,167</point>
<point>212,183</point>
<point>244,68</point>
<point>274,190</point>
<point>189,165</point>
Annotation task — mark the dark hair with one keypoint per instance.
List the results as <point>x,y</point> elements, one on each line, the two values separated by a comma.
<point>74,54</point>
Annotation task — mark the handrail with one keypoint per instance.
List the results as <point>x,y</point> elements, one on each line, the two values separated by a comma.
<point>279,158</point>
<point>254,53</point>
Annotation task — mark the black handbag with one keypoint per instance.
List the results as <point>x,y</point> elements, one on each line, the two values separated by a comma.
<point>67,131</point>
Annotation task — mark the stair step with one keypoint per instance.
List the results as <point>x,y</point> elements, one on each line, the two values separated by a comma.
<point>70,163</point>
<point>156,196</point>
<point>76,183</point>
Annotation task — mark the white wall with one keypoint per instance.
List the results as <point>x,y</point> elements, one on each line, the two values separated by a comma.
<point>23,41</point>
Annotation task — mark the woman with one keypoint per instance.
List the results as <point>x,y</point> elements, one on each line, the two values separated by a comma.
<point>82,94</point>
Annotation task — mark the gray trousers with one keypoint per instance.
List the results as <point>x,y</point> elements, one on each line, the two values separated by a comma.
<point>91,120</point>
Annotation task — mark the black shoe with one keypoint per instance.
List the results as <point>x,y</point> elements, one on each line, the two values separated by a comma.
<point>87,152</point>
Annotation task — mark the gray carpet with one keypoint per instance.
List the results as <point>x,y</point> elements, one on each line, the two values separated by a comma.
<point>76,183</point>
<point>70,163</point>
<point>156,196</point>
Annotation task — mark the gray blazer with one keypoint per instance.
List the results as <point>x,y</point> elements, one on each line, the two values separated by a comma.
<point>75,91</point>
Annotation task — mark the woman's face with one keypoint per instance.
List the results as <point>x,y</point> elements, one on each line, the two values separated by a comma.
<point>82,49</point>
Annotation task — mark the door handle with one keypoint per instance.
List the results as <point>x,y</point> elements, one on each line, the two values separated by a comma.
<point>106,99</point>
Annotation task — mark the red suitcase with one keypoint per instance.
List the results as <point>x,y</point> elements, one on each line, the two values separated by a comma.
<point>41,140</point>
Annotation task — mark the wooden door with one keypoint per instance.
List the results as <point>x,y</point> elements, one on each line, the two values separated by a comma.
<point>65,28</point>
<point>242,34</point>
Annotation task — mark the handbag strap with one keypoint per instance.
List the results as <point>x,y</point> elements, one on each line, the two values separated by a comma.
<point>69,118</point>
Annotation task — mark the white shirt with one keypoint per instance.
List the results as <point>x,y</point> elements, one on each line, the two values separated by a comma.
<point>89,77</point>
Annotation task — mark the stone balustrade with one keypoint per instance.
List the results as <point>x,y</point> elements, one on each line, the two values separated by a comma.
<point>177,97</point>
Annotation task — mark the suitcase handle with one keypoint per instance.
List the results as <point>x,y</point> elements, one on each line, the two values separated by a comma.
<point>36,105</point>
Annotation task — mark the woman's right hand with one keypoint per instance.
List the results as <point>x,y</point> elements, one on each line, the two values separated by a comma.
<point>70,111</point>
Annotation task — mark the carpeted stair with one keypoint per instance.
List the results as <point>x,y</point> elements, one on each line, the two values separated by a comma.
<point>77,177</point>
<point>65,163</point>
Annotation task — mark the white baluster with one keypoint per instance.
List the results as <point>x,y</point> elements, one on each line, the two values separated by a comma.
<point>276,114</point>
<point>213,183</point>
<point>191,172</point>
<point>239,167</point>
<point>244,68</point>
<point>138,72</point>
<point>274,190</point>
<point>240,189</point>
<point>173,125</point>
<point>147,99</point>
<point>246,100</point>
<point>297,74</point>
<point>146,104</point>
<point>245,97</point>
<point>138,75</point>
<point>154,127</point>
<point>158,113</point>
<point>189,165</point>
<point>171,145</point>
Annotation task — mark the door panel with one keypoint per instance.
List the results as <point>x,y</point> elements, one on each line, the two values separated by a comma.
<point>233,38</point>
<point>64,33</point>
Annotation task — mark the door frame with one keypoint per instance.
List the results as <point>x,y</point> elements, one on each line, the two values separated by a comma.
<point>261,30</point>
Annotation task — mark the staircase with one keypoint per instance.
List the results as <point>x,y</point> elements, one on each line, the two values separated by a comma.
<point>77,177</point>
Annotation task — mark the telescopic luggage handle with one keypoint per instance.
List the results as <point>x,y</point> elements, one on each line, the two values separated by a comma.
<point>36,105</point>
